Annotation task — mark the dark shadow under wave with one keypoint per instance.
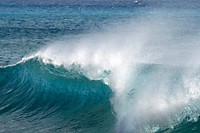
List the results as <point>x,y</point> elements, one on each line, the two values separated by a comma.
<point>37,97</point>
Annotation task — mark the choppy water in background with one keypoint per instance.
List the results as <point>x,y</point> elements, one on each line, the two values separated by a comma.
<point>24,29</point>
<point>123,67</point>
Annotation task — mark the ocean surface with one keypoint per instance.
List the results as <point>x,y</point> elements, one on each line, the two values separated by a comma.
<point>123,67</point>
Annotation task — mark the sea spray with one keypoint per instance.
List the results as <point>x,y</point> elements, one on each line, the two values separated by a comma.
<point>147,65</point>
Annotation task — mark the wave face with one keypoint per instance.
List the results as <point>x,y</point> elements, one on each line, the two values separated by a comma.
<point>42,98</point>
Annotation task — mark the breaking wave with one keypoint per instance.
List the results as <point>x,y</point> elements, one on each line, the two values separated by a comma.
<point>138,77</point>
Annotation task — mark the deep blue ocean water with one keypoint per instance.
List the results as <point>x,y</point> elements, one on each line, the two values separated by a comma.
<point>124,67</point>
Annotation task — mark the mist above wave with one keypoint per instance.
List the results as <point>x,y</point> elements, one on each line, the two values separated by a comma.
<point>151,64</point>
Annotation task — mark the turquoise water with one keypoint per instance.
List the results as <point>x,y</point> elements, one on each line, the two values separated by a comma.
<point>104,68</point>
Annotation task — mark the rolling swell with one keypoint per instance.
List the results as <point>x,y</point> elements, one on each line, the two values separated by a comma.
<point>44,98</point>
